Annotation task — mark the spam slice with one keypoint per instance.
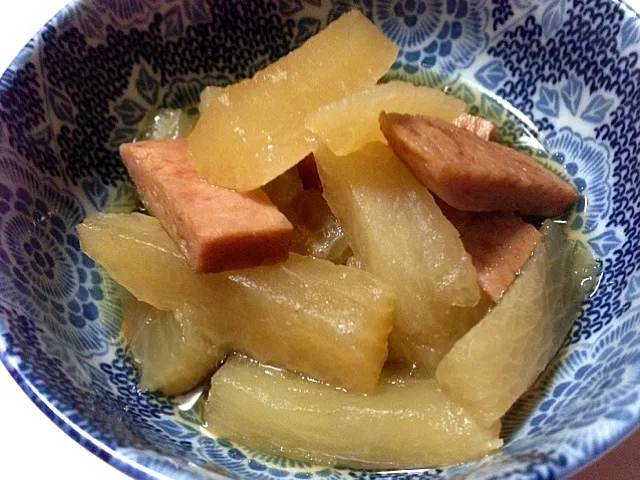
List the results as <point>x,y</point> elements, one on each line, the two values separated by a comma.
<point>483,128</point>
<point>500,243</point>
<point>472,174</point>
<point>216,229</point>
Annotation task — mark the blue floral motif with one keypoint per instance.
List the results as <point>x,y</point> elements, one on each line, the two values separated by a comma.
<point>40,260</point>
<point>553,16</point>
<point>126,13</point>
<point>629,33</point>
<point>491,75</point>
<point>197,11</point>
<point>147,86</point>
<point>174,25</point>
<point>84,16</point>
<point>633,291</point>
<point>131,112</point>
<point>604,243</point>
<point>491,109</point>
<point>549,102</point>
<point>61,105</point>
<point>572,94</point>
<point>449,37</point>
<point>96,192</point>
<point>405,21</point>
<point>588,162</point>
<point>561,72</point>
<point>409,11</point>
<point>595,384</point>
<point>597,109</point>
<point>592,110</point>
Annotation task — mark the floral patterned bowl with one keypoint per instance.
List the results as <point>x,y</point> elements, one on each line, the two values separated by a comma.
<point>559,76</point>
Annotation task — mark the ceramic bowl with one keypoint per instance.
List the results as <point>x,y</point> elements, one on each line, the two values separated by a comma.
<point>564,73</point>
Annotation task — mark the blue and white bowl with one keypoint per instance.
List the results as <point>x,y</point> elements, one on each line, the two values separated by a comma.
<point>557,74</point>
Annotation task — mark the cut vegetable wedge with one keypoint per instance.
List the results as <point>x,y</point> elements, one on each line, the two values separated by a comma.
<point>419,351</point>
<point>255,130</point>
<point>398,232</point>
<point>405,423</point>
<point>350,123</point>
<point>208,95</point>
<point>172,353</point>
<point>500,358</point>
<point>316,231</point>
<point>327,321</point>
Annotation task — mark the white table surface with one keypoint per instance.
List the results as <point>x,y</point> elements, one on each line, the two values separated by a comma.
<point>31,446</point>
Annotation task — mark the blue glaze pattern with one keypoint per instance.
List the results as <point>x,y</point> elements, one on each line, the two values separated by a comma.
<point>561,78</point>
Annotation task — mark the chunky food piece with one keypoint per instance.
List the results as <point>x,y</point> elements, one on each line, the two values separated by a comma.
<point>172,353</point>
<point>308,171</point>
<point>326,321</point>
<point>471,174</point>
<point>255,130</point>
<point>167,123</point>
<point>500,358</point>
<point>499,243</point>
<point>405,423</point>
<point>217,229</point>
<point>483,128</point>
<point>350,123</point>
<point>284,189</point>
<point>419,351</point>
<point>208,95</point>
<point>394,226</point>
<point>316,231</point>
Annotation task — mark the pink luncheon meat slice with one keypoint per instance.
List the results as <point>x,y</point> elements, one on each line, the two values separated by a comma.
<point>472,174</point>
<point>499,243</point>
<point>217,229</point>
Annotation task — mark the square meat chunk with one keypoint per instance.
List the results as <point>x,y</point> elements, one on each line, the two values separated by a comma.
<point>217,229</point>
<point>499,243</point>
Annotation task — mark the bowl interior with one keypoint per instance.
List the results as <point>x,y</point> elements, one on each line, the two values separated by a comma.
<point>561,78</point>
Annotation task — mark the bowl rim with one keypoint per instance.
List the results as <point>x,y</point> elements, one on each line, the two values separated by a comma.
<point>104,453</point>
